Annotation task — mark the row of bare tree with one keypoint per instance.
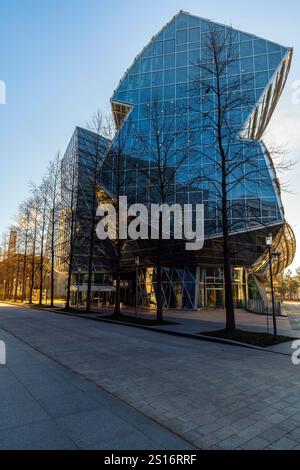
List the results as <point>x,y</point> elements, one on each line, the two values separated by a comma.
<point>27,264</point>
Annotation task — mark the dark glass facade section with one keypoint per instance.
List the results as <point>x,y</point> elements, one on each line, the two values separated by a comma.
<point>83,159</point>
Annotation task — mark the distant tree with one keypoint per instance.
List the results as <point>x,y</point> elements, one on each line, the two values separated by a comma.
<point>53,185</point>
<point>40,194</point>
<point>69,176</point>
<point>17,266</point>
<point>33,234</point>
<point>23,223</point>
<point>4,271</point>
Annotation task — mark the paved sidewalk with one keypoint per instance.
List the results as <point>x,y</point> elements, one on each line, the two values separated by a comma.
<point>43,406</point>
<point>195,322</point>
<point>191,321</point>
<point>215,396</point>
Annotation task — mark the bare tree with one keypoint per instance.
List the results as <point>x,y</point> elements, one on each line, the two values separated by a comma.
<point>5,266</point>
<point>23,221</point>
<point>33,234</point>
<point>117,172</point>
<point>69,176</point>
<point>165,144</point>
<point>41,195</point>
<point>92,159</point>
<point>52,185</point>
<point>219,102</point>
<point>17,263</point>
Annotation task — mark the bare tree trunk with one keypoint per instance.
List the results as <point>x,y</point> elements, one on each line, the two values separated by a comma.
<point>52,182</point>
<point>42,256</point>
<point>70,262</point>
<point>17,277</point>
<point>159,296</point>
<point>33,266</point>
<point>52,258</point>
<point>229,304</point>
<point>91,252</point>
<point>24,269</point>
<point>117,310</point>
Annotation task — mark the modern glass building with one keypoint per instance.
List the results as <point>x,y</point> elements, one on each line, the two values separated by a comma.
<point>171,78</point>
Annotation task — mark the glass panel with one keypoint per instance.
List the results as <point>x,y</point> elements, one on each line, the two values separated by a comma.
<point>181,59</point>
<point>145,80</point>
<point>170,31</point>
<point>146,65</point>
<point>181,37</point>
<point>274,60</point>
<point>157,93</point>
<point>169,92</point>
<point>181,21</point>
<point>261,62</point>
<point>260,47</point>
<point>194,34</point>
<point>169,76</point>
<point>273,47</point>
<point>170,61</point>
<point>158,63</point>
<point>246,48</point>
<point>261,79</point>
<point>181,74</point>
<point>157,78</point>
<point>247,65</point>
<point>158,48</point>
<point>169,46</point>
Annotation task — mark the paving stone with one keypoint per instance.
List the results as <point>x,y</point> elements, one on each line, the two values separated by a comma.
<point>258,443</point>
<point>274,434</point>
<point>231,443</point>
<point>294,434</point>
<point>283,444</point>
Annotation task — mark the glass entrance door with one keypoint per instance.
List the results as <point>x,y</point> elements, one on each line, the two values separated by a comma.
<point>214,298</point>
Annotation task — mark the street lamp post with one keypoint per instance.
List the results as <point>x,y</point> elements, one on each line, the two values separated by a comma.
<point>137,262</point>
<point>269,242</point>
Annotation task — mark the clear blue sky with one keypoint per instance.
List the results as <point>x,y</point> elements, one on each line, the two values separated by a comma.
<point>62,59</point>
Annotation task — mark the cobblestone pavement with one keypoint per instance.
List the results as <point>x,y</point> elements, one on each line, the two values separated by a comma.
<point>215,396</point>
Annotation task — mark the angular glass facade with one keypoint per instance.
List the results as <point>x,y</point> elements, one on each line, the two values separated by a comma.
<point>165,71</point>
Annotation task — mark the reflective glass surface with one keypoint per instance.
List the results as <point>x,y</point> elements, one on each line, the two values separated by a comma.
<point>165,71</point>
